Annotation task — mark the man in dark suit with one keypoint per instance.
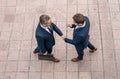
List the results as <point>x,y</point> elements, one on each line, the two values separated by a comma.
<point>44,36</point>
<point>80,36</point>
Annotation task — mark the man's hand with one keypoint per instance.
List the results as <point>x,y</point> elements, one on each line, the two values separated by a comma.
<point>63,37</point>
<point>69,25</point>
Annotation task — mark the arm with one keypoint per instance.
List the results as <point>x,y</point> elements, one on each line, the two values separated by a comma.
<point>71,25</point>
<point>87,21</point>
<point>40,42</point>
<point>77,40</point>
<point>57,30</point>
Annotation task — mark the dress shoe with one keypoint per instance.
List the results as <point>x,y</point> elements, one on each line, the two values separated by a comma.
<point>77,59</point>
<point>35,52</point>
<point>55,60</point>
<point>92,51</point>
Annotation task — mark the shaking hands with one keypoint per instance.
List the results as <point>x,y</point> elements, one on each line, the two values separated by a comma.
<point>69,25</point>
<point>63,36</point>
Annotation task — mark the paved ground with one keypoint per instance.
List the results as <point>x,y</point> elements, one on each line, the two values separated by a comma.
<point>18,20</point>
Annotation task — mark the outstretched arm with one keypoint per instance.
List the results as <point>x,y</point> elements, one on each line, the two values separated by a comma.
<point>71,25</point>
<point>75,41</point>
<point>57,30</point>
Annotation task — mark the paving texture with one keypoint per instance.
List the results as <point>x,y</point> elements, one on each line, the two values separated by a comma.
<point>18,21</point>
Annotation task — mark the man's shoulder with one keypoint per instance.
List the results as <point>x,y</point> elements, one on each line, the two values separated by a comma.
<point>38,26</point>
<point>86,18</point>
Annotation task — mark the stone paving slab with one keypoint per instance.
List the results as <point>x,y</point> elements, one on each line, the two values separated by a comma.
<point>18,22</point>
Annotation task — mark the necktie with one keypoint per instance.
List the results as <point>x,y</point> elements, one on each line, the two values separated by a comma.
<point>50,30</point>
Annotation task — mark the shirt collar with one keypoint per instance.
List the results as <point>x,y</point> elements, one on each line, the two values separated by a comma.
<point>81,26</point>
<point>43,26</point>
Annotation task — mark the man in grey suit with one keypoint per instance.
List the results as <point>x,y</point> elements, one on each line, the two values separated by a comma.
<point>44,36</point>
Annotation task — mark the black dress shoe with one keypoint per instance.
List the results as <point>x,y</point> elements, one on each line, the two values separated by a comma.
<point>93,50</point>
<point>35,52</point>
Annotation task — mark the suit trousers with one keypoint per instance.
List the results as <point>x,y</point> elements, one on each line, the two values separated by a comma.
<point>81,52</point>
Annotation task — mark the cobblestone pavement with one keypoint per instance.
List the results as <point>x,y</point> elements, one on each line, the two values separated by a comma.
<point>18,21</point>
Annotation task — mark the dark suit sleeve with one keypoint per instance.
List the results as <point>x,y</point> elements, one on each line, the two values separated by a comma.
<point>40,42</point>
<point>57,30</point>
<point>73,26</point>
<point>77,40</point>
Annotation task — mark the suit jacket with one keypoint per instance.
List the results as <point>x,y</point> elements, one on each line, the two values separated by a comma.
<point>80,36</point>
<point>45,40</point>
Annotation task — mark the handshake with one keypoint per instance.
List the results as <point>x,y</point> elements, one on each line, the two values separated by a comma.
<point>64,36</point>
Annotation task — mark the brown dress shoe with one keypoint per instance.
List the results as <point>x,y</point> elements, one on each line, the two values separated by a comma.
<point>76,59</point>
<point>55,60</point>
<point>92,51</point>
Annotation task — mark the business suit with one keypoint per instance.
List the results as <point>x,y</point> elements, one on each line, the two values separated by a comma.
<point>45,40</point>
<point>81,38</point>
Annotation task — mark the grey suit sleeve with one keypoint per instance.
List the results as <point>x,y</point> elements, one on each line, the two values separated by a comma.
<point>57,30</point>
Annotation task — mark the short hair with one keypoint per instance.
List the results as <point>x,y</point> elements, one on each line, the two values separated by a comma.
<point>44,19</point>
<point>79,18</point>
